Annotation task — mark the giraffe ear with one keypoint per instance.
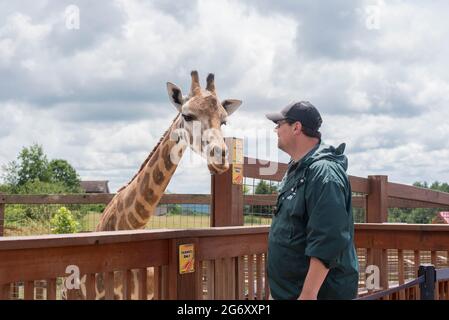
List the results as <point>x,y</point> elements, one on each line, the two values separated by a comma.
<point>230,105</point>
<point>175,95</point>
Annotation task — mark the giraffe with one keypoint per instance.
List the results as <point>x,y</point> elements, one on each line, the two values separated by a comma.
<point>198,126</point>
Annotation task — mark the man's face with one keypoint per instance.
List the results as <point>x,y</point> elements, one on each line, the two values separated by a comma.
<point>285,134</point>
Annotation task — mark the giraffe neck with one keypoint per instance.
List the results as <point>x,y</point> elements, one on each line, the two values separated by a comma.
<point>134,204</point>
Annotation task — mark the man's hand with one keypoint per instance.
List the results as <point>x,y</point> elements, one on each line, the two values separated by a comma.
<point>314,279</point>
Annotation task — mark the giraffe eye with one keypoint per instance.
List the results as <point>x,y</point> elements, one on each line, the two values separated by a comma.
<point>188,117</point>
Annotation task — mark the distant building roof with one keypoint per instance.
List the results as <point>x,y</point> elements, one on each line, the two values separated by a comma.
<point>95,186</point>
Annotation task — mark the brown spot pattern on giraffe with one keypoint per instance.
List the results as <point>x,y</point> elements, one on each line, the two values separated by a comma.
<point>130,197</point>
<point>158,176</point>
<point>167,161</point>
<point>140,209</point>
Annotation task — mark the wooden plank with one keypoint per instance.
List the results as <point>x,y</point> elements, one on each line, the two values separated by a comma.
<point>90,286</point>
<point>384,270</point>
<point>157,283</point>
<point>401,273</point>
<point>130,284</point>
<point>46,263</point>
<point>5,291</point>
<point>408,203</point>
<point>240,278</point>
<point>217,247</point>
<point>229,278</point>
<point>210,279</point>
<point>417,258</point>
<point>90,198</point>
<point>433,260</point>
<point>199,281</point>
<point>420,194</point>
<point>143,284</point>
<point>29,290</point>
<point>109,285</point>
<point>218,279</point>
<point>250,277</point>
<point>259,276</point>
<point>57,199</point>
<point>115,237</point>
<point>359,184</point>
<point>51,289</point>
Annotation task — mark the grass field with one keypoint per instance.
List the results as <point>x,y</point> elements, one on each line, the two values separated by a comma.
<point>169,221</point>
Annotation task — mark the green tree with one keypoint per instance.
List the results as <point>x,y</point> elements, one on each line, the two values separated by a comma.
<point>61,171</point>
<point>264,188</point>
<point>32,165</point>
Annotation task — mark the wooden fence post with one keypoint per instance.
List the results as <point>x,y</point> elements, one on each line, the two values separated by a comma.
<point>377,212</point>
<point>227,189</point>
<point>184,286</point>
<point>427,288</point>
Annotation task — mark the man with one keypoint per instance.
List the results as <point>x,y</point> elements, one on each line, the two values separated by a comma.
<point>311,253</point>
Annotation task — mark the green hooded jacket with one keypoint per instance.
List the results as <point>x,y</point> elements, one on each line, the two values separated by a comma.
<point>314,219</point>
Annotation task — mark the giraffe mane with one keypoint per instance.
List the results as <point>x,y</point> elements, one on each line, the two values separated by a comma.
<point>151,154</point>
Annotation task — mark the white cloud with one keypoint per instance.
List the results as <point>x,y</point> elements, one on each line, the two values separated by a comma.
<point>96,96</point>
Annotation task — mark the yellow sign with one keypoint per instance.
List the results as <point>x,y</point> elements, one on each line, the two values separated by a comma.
<point>238,152</point>
<point>237,174</point>
<point>186,258</point>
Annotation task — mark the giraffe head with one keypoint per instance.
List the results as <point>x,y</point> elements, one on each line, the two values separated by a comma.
<point>203,115</point>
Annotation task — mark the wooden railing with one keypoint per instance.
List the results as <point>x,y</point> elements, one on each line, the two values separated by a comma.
<point>229,263</point>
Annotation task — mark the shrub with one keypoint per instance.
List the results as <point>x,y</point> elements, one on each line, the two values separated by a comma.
<point>63,222</point>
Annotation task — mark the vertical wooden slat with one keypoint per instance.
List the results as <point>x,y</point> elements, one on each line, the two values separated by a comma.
<point>210,274</point>
<point>259,276</point>
<point>401,273</point>
<point>240,278</point>
<point>130,284</point>
<point>90,286</point>
<point>51,289</point>
<point>384,269</point>
<point>29,290</point>
<point>250,277</point>
<point>143,284</point>
<point>267,287</point>
<point>433,260</point>
<point>109,285</point>
<point>5,291</point>
<point>229,271</point>
<point>219,279</point>
<point>417,259</point>
<point>157,283</point>
<point>199,280</point>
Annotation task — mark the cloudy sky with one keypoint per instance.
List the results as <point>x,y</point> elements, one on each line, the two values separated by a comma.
<point>94,93</point>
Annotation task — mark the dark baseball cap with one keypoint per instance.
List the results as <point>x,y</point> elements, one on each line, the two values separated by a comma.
<point>302,111</point>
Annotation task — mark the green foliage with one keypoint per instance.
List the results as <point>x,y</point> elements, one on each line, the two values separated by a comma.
<point>63,222</point>
<point>418,215</point>
<point>264,188</point>
<point>62,172</point>
<point>174,209</point>
<point>32,166</point>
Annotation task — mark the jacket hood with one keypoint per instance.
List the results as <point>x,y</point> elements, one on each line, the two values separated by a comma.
<point>323,151</point>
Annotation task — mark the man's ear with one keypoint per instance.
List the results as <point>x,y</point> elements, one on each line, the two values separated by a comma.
<point>175,95</point>
<point>230,105</point>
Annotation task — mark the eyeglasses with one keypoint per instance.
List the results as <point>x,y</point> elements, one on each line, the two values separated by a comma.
<point>280,123</point>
